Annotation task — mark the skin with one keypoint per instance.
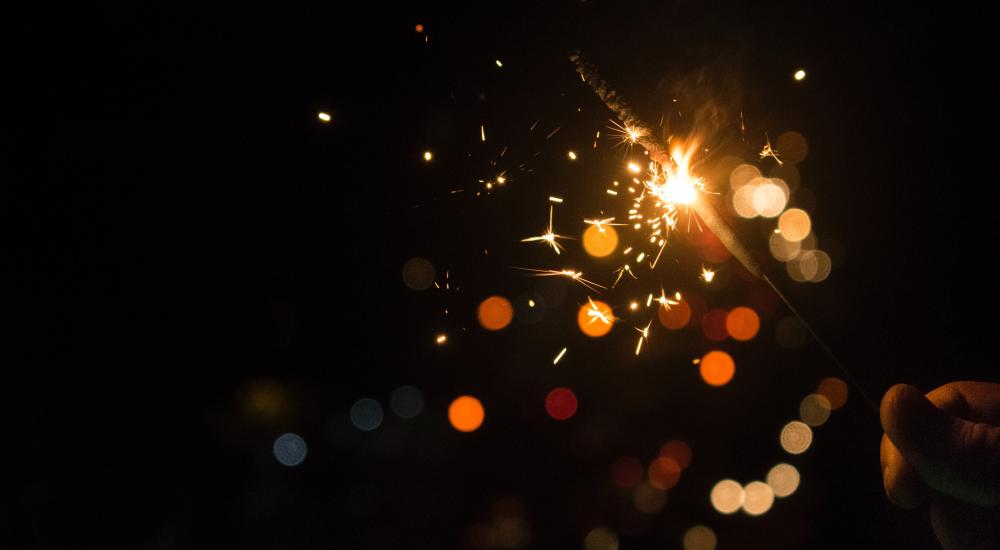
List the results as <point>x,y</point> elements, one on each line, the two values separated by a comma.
<point>943,449</point>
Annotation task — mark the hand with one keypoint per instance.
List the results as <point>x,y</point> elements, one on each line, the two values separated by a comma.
<point>945,448</point>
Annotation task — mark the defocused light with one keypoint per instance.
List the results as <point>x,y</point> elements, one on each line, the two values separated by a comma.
<point>418,274</point>
<point>677,450</point>
<point>742,175</point>
<point>561,403</point>
<point>627,472</point>
<point>290,449</point>
<point>742,323</point>
<point>743,201</point>
<point>799,74</point>
<point>789,333</point>
<point>600,241</point>
<point>835,390</point>
<point>676,317</point>
<point>595,318</point>
<point>699,537</point>
<point>783,479</point>
<point>782,249</point>
<point>265,400</point>
<point>726,496</point>
<point>713,324</point>
<point>466,413</point>
<point>571,155</point>
<point>717,368</point>
<point>366,414</point>
<point>792,146</point>
<point>601,538</point>
<point>769,199</point>
<point>664,473</point>
<point>794,224</point>
<point>796,437</point>
<point>419,28</point>
<point>648,499</point>
<point>757,498</point>
<point>441,339</point>
<point>428,156</point>
<point>325,117</point>
<point>495,313</point>
<point>406,401</point>
<point>823,266</point>
<point>814,409</point>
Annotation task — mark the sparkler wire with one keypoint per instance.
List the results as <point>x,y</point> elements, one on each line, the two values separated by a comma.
<point>702,207</point>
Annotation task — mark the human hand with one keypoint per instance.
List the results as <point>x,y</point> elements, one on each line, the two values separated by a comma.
<point>945,448</point>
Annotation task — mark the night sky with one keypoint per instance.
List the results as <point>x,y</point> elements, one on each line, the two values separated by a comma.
<point>199,265</point>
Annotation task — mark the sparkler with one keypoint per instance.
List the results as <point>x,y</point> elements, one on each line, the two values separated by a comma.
<point>548,237</point>
<point>674,185</point>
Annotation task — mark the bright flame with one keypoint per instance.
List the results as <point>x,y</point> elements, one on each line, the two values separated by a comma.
<point>707,274</point>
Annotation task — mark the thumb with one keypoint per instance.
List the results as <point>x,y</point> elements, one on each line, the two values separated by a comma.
<point>952,455</point>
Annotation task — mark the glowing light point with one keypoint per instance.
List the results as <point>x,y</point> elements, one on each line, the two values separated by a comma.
<point>428,156</point>
<point>634,168</point>
<point>707,274</point>
<point>499,64</point>
<point>571,155</point>
<point>441,339</point>
<point>325,117</point>
<point>800,75</point>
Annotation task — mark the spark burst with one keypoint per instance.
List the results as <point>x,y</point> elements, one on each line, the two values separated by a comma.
<point>548,237</point>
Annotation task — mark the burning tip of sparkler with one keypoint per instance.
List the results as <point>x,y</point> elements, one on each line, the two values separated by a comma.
<point>800,74</point>
<point>707,274</point>
<point>634,168</point>
<point>325,117</point>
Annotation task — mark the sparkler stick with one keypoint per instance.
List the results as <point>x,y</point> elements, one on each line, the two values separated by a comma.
<point>708,214</point>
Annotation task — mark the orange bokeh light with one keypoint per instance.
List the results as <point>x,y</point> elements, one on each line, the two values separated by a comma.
<point>495,313</point>
<point>466,413</point>
<point>677,316</point>
<point>717,368</point>
<point>595,318</point>
<point>664,473</point>
<point>742,323</point>
<point>677,450</point>
<point>835,390</point>
<point>600,241</point>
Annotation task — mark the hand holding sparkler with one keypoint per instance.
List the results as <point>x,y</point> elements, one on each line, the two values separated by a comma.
<point>946,447</point>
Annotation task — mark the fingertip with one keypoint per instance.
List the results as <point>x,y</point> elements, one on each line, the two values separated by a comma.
<point>908,418</point>
<point>889,409</point>
<point>903,485</point>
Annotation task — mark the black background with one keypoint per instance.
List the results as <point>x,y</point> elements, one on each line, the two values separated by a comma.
<point>177,223</point>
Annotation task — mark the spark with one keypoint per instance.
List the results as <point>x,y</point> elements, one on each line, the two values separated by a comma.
<point>571,155</point>
<point>325,117</point>
<point>634,168</point>
<point>559,356</point>
<point>667,302</point>
<point>596,314</point>
<point>548,237</point>
<point>599,224</point>
<point>800,74</point>
<point>622,271</point>
<point>441,339</point>
<point>531,303</point>
<point>769,151</point>
<point>633,305</point>
<point>499,64</point>
<point>482,132</point>
<point>553,132</point>
<point>644,332</point>
<point>428,156</point>
<point>568,273</point>
<point>555,199</point>
<point>628,134</point>
<point>707,274</point>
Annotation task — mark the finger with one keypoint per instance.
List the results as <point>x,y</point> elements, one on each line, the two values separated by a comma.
<point>953,456</point>
<point>903,485</point>
<point>975,401</point>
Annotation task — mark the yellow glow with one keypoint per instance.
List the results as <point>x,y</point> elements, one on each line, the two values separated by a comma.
<point>795,224</point>
<point>783,479</point>
<point>757,498</point>
<point>707,274</point>
<point>726,496</point>
<point>634,168</point>
<point>325,117</point>
<point>600,241</point>
<point>800,74</point>
<point>428,156</point>
<point>482,132</point>
<point>796,437</point>
<point>441,339</point>
<point>499,64</point>
<point>572,155</point>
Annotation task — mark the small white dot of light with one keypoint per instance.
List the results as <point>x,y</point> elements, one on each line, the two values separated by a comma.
<point>800,74</point>
<point>428,156</point>
<point>325,117</point>
<point>572,155</point>
<point>499,64</point>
